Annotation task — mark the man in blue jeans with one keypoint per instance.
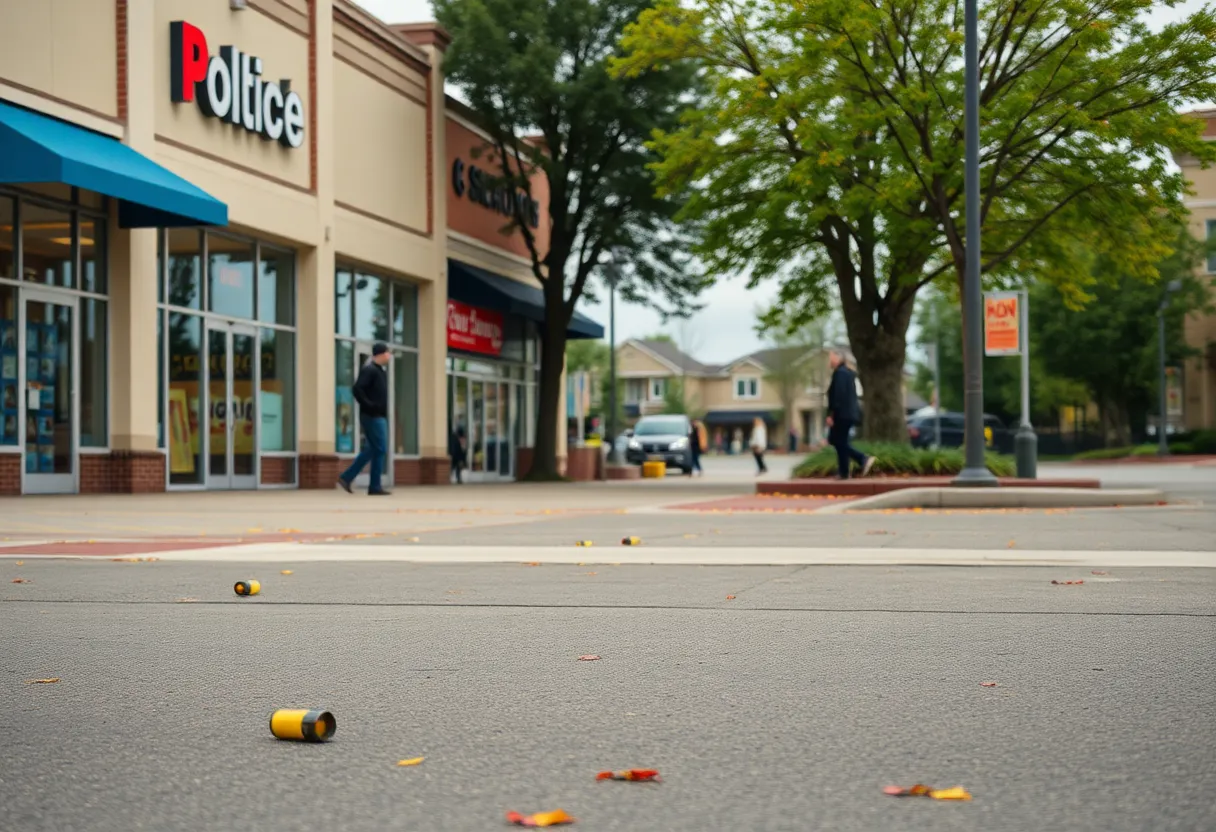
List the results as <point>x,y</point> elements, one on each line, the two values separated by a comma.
<point>371,392</point>
<point>844,411</point>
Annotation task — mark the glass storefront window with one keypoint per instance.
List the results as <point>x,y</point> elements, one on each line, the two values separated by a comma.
<point>94,400</point>
<point>344,400</point>
<point>277,396</point>
<point>276,286</point>
<point>185,268</point>
<point>185,399</point>
<point>230,276</point>
<point>9,394</point>
<point>93,255</point>
<point>405,314</point>
<point>344,303</point>
<point>371,308</point>
<point>46,245</point>
<point>405,403</point>
<point>8,224</point>
<point>160,374</point>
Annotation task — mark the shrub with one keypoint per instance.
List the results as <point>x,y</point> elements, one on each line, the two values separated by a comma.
<point>1195,442</point>
<point>1106,453</point>
<point>895,460</point>
<point>1183,448</point>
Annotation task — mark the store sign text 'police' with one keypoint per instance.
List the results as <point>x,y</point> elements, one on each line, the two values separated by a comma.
<point>229,86</point>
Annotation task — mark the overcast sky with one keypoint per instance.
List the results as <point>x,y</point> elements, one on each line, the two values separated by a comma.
<point>725,328</point>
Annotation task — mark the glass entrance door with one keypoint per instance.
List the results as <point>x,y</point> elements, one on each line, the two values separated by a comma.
<point>47,393</point>
<point>484,409</point>
<point>232,385</point>
<point>363,354</point>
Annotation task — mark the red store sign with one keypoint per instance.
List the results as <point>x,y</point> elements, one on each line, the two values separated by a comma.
<point>473,329</point>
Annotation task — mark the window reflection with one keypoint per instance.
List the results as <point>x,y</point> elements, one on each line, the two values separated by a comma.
<point>371,308</point>
<point>8,260</point>
<point>92,255</point>
<point>230,276</point>
<point>93,399</point>
<point>185,401</point>
<point>405,314</point>
<point>185,268</point>
<point>276,283</point>
<point>405,402</point>
<point>344,301</point>
<point>277,396</point>
<point>46,241</point>
<point>344,415</point>
<point>9,392</point>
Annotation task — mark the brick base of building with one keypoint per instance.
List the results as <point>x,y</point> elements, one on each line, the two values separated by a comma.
<point>122,472</point>
<point>425,471</point>
<point>318,470</point>
<point>278,470</point>
<point>10,474</point>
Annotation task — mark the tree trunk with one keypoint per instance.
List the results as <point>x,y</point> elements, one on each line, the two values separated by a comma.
<point>880,367</point>
<point>552,362</point>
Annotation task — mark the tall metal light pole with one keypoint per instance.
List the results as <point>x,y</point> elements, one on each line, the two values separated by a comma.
<point>975,471</point>
<point>1163,443</point>
<point>611,270</point>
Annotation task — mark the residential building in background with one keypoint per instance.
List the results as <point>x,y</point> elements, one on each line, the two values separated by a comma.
<point>1197,402</point>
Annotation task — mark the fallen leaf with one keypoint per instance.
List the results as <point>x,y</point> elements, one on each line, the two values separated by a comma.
<point>49,681</point>
<point>186,600</point>
<point>532,563</point>
<point>730,597</point>
<point>591,573</point>
<point>589,658</point>
<point>21,563</point>
<point>1068,583</point>
<point>637,775</point>
<point>906,791</point>
<point>921,790</point>
<point>1010,544</point>
<point>1096,572</point>
<point>285,572</point>
<point>954,793</point>
<point>987,684</point>
<point>412,761</point>
<point>554,818</point>
<point>22,581</point>
<point>690,536</point>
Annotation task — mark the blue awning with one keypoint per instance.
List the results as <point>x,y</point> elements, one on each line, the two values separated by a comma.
<point>37,148</point>
<point>723,418</point>
<point>478,287</point>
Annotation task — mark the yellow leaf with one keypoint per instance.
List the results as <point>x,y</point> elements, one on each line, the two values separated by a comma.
<point>286,572</point>
<point>956,793</point>
<point>50,681</point>
<point>412,761</point>
<point>557,816</point>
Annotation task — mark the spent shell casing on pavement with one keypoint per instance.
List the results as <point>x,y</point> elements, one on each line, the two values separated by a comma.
<point>303,724</point>
<point>631,541</point>
<point>249,587</point>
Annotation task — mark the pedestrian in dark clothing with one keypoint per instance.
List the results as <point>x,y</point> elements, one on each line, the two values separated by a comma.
<point>371,392</point>
<point>696,436</point>
<point>458,450</point>
<point>844,411</point>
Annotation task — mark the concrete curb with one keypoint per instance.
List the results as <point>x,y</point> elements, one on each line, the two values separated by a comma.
<point>952,497</point>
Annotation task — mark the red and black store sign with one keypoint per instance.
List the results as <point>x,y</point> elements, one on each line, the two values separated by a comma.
<point>473,329</point>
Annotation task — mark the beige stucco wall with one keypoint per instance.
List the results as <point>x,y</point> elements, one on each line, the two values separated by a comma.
<point>66,49</point>
<point>284,53</point>
<point>1199,374</point>
<point>633,362</point>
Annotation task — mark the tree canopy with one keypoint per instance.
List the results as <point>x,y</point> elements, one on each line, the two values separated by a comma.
<point>829,152</point>
<point>540,70</point>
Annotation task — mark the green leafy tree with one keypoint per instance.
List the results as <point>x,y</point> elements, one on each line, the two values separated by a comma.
<point>829,153</point>
<point>796,360</point>
<point>540,69</point>
<point>593,357</point>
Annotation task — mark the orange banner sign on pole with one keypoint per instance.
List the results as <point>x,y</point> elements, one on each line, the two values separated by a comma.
<point>1002,323</point>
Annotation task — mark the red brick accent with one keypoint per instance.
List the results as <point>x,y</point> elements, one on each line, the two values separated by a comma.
<point>624,472</point>
<point>424,471</point>
<point>312,95</point>
<point>583,464</point>
<point>882,485</point>
<point>278,470</point>
<point>10,473</point>
<point>318,471</point>
<point>122,472</point>
<point>120,14</point>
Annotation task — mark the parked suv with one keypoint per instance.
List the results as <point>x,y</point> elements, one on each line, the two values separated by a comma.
<point>661,439</point>
<point>922,432</point>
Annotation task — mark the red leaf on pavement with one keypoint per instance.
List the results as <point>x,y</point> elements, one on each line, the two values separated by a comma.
<point>987,684</point>
<point>22,581</point>
<point>906,791</point>
<point>1068,583</point>
<point>730,597</point>
<point>637,775</point>
<point>588,658</point>
<point>554,818</point>
<point>1096,572</point>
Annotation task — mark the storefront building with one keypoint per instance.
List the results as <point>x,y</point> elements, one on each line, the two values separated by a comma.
<point>208,214</point>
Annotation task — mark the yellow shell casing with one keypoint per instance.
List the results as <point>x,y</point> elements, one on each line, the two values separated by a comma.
<point>303,724</point>
<point>249,587</point>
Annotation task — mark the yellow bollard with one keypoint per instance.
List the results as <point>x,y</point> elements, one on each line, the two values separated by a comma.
<point>249,587</point>
<point>303,724</point>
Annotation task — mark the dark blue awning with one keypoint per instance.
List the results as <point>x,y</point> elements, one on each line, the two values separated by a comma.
<point>478,287</point>
<point>719,418</point>
<point>37,148</point>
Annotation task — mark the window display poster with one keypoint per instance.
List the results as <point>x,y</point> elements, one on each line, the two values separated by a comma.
<point>8,395</point>
<point>272,421</point>
<point>181,439</point>
<point>31,339</point>
<point>8,336</point>
<point>46,459</point>
<point>8,367</point>
<point>345,421</point>
<point>31,457</point>
<point>8,429</point>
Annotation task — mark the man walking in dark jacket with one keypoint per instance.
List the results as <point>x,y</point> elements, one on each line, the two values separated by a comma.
<point>844,411</point>
<point>371,392</point>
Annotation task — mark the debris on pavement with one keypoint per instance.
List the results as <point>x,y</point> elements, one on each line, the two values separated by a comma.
<point>637,775</point>
<point>249,587</point>
<point>303,724</point>
<point>879,531</point>
<point>1068,583</point>
<point>286,572</point>
<point>987,684</point>
<point>554,818</point>
<point>531,563</point>
<point>1096,572</point>
<point>187,600</point>
<point>134,560</point>
<point>21,563</point>
<point>631,541</point>
<point>921,790</point>
<point>49,681</point>
<point>22,581</point>
<point>412,761</point>
<point>589,658</point>
<point>583,543</point>
<point>730,597</point>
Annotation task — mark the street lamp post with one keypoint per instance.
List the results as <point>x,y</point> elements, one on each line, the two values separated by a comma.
<point>1163,445</point>
<point>611,270</point>
<point>975,470</point>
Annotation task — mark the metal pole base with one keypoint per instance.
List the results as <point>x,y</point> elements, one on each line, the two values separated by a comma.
<point>1026,452</point>
<point>975,478</point>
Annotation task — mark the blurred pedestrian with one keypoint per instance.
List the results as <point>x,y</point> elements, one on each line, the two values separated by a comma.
<point>370,390</point>
<point>458,450</point>
<point>696,447</point>
<point>759,444</point>
<point>844,412</point>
